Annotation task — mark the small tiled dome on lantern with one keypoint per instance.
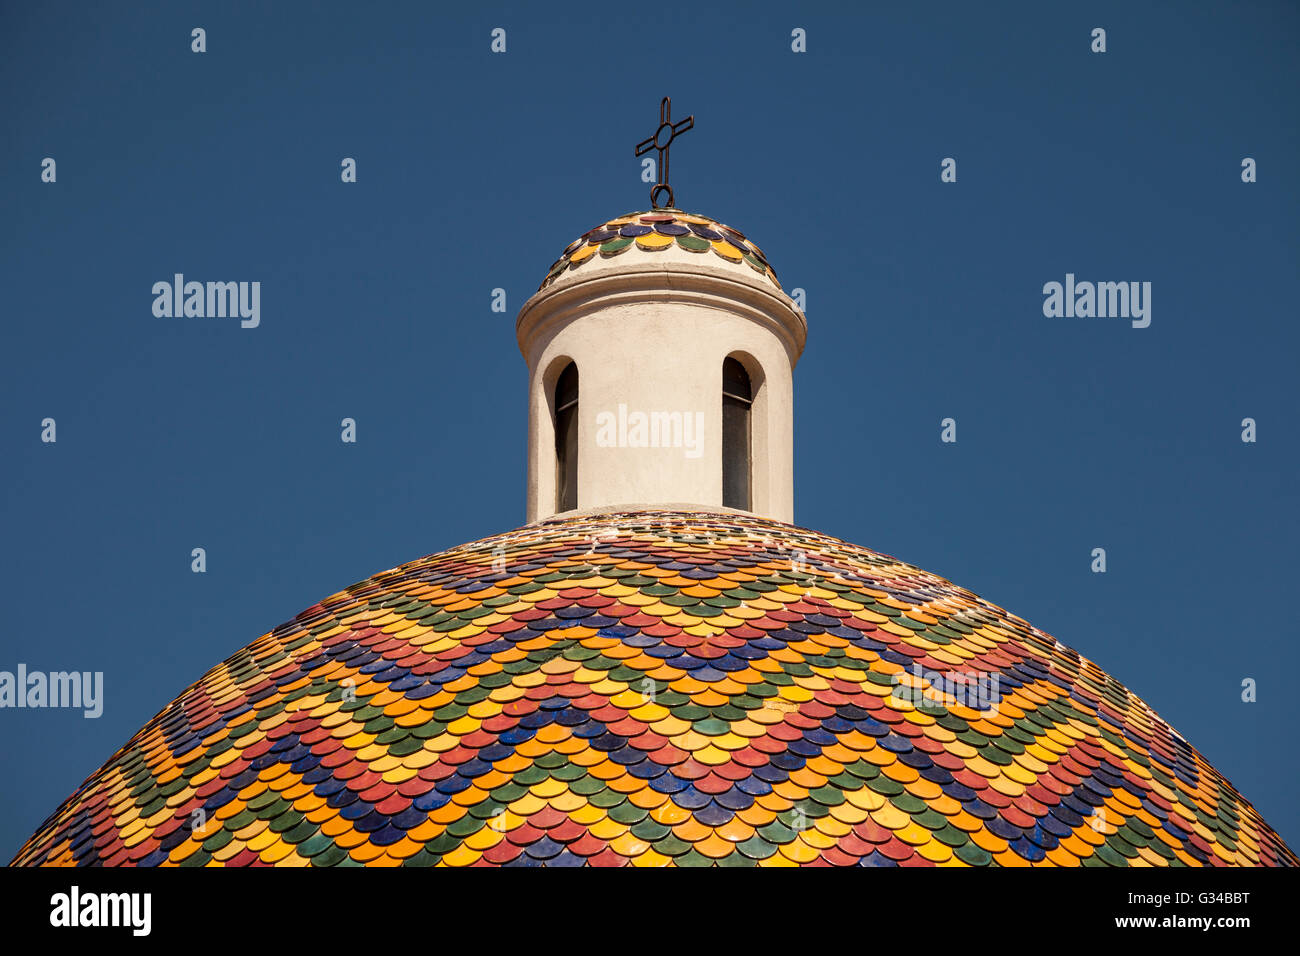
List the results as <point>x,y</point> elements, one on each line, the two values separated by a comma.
<point>660,234</point>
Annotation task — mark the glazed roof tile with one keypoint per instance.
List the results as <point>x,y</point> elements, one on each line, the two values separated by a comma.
<point>651,233</point>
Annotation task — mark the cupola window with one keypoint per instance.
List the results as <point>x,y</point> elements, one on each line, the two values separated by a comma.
<point>566,439</point>
<point>737,404</point>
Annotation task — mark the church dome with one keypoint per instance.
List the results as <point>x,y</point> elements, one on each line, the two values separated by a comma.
<point>656,687</point>
<point>657,237</point>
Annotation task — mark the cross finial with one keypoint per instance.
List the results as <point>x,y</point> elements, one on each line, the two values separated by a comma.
<point>661,140</point>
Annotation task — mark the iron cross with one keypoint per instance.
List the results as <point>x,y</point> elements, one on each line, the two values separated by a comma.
<point>661,140</point>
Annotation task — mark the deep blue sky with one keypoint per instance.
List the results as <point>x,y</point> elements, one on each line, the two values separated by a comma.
<point>475,170</point>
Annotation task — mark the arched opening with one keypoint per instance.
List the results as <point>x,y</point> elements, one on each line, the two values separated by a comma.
<point>566,439</point>
<point>737,408</point>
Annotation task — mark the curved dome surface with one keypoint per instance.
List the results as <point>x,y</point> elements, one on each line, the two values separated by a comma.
<point>663,235</point>
<point>656,688</point>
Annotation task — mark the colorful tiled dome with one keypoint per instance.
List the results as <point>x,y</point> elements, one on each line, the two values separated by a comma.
<point>666,233</point>
<point>656,688</point>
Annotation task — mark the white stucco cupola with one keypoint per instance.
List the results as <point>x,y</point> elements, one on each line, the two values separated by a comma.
<point>660,351</point>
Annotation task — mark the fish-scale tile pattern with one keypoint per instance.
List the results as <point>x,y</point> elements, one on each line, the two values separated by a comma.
<point>656,231</point>
<point>655,689</point>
